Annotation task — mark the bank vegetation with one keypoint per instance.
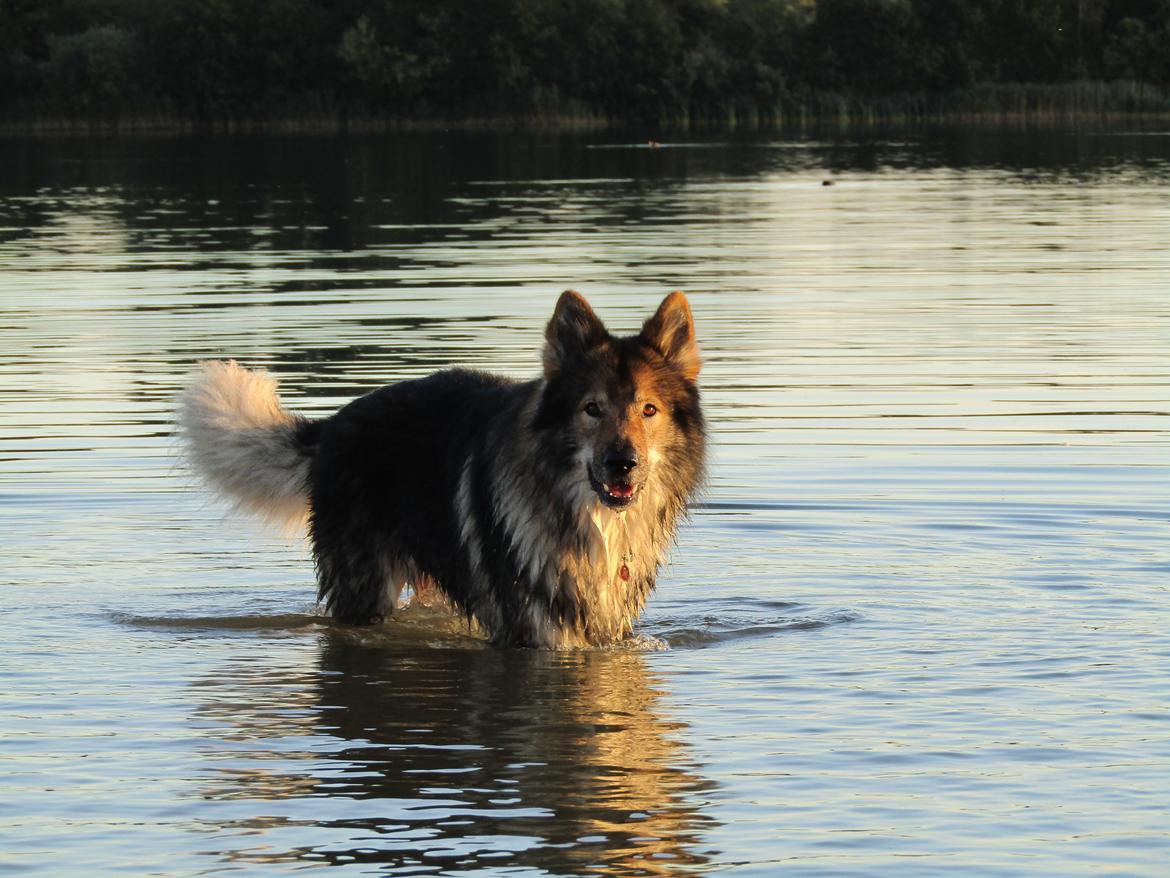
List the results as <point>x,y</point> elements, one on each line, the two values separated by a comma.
<point>368,63</point>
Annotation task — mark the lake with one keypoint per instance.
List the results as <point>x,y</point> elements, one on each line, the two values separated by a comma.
<point>918,622</point>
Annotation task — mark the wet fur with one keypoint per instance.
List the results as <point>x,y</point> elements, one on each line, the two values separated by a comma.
<point>484,488</point>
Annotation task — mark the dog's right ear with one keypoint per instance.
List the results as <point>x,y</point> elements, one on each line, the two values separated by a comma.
<point>573,330</point>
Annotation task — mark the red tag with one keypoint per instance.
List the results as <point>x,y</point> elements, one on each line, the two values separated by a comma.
<point>624,573</point>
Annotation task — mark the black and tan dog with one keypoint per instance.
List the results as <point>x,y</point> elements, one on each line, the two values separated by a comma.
<point>541,509</point>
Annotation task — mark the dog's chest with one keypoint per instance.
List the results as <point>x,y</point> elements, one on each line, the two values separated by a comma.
<point>621,561</point>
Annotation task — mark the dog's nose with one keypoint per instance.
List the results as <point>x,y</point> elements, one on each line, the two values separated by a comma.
<point>621,459</point>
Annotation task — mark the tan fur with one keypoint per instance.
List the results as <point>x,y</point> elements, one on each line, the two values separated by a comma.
<point>240,439</point>
<point>634,538</point>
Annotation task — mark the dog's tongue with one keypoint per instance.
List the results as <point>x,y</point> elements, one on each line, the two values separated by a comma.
<point>621,490</point>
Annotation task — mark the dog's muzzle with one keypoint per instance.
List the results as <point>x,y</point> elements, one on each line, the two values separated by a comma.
<point>616,492</point>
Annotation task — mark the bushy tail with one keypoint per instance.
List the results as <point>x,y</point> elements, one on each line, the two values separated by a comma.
<point>245,444</point>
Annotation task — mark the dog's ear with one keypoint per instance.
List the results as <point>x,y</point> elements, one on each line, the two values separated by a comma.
<point>671,332</point>
<point>573,330</point>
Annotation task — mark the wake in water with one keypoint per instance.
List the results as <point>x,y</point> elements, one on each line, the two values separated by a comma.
<point>695,625</point>
<point>707,623</point>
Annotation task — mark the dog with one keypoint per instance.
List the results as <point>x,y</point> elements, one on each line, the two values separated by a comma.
<point>542,510</point>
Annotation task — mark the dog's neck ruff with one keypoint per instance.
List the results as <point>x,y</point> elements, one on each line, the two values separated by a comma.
<point>623,550</point>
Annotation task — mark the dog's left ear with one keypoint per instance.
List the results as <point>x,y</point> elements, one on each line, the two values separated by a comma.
<point>573,330</point>
<point>671,332</point>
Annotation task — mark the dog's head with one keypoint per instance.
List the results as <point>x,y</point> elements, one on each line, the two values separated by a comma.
<point>626,408</point>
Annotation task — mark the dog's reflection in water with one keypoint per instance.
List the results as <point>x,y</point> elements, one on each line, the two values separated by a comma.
<point>392,753</point>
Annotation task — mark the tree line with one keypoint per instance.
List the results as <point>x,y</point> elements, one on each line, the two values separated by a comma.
<point>664,60</point>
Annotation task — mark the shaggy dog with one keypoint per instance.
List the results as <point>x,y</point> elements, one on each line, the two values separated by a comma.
<point>541,509</point>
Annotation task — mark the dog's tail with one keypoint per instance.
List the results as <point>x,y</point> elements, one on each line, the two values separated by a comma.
<point>241,440</point>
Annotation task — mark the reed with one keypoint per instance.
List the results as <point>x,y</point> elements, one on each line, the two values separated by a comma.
<point>985,102</point>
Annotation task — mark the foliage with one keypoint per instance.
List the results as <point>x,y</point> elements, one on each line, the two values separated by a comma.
<point>93,69</point>
<point>696,60</point>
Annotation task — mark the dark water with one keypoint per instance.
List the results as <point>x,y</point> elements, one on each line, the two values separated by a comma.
<point>917,625</point>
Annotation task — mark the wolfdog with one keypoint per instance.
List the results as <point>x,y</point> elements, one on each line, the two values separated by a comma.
<point>542,509</point>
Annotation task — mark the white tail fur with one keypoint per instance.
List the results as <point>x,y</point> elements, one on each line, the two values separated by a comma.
<point>244,443</point>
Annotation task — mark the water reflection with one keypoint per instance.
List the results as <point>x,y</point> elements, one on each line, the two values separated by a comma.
<point>454,758</point>
<point>928,578</point>
<point>386,196</point>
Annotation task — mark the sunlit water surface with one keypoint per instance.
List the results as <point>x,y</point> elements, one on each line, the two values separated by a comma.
<point>917,625</point>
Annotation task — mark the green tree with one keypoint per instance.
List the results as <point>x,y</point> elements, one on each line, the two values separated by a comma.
<point>95,70</point>
<point>383,72</point>
<point>769,48</point>
<point>868,47</point>
<point>1138,43</point>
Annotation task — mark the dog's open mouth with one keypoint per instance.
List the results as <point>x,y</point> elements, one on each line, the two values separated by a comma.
<point>615,495</point>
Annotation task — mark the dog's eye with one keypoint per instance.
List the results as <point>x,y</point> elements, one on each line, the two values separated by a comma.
<point>649,410</point>
<point>593,410</point>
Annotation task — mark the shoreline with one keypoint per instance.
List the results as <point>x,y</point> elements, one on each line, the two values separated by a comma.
<point>557,125</point>
<point>1005,104</point>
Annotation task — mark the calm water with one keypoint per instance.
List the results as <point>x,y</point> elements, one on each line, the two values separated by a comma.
<point>918,624</point>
